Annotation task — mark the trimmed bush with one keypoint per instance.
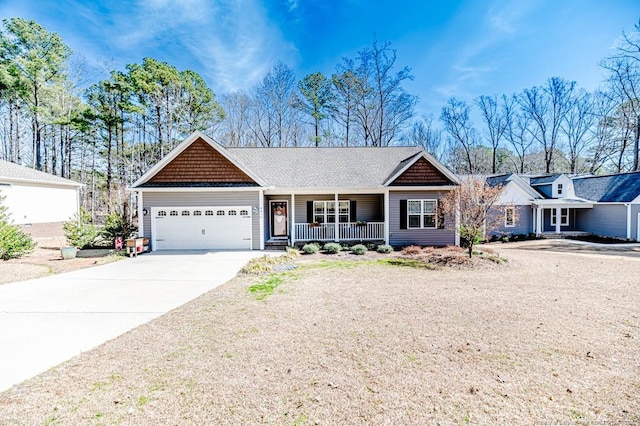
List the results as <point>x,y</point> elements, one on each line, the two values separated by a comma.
<point>332,248</point>
<point>117,226</point>
<point>13,242</point>
<point>359,249</point>
<point>80,231</point>
<point>310,248</point>
<point>385,248</point>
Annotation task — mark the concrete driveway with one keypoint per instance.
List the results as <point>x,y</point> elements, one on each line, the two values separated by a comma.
<point>49,320</point>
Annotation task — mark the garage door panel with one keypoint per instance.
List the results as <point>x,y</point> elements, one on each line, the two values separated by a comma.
<point>202,228</point>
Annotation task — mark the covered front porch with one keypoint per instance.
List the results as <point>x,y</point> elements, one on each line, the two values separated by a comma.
<point>559,217</point>
<point>300,217</point>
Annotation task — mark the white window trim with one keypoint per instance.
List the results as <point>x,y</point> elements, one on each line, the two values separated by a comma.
<point>422,214</point>
<point>563,222</point>
<point>337,213</point>
<point>513,215</point>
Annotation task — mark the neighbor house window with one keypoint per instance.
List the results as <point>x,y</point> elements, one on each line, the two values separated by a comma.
<point>325,211</point>
<point>559,189</point>
<point>422,213</point>
<point>564,217</point>
<point>509,217</point>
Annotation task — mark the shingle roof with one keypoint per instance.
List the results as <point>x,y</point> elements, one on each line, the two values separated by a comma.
<point>621,188</point>
<point>324,167</point>
<point>14,172</point>
<point>543,180</point>
<point>503,180</point>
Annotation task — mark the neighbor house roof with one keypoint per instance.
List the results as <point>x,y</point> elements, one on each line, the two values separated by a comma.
<point>497,180</point>
<point>620,188</point>
<point>543,180</point>
<point>11,172</point>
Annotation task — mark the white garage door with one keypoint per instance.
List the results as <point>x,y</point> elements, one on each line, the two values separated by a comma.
<point>175,228</point>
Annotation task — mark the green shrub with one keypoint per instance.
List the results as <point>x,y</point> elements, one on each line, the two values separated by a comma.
<point>80,231</point>
<point>358,249</point>
<point>385,248</point>
<point>310,248</point>
<point>505,239</point>
<point>117,226</point>
<point>332,248</point>
<point>13,242</point>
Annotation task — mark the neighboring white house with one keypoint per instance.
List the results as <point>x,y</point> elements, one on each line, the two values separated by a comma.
<point>36,201</point>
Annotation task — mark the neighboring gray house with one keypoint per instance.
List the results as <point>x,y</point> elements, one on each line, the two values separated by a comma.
<point>36,201</point>
<point>558,204</point>
<point>205,196</point>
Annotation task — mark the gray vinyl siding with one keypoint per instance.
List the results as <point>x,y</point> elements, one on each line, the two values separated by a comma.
<point>423,237</point>
<point>607,220</point>
<point>369,207</point>
<point>197,199</point>
<point>523,223</point>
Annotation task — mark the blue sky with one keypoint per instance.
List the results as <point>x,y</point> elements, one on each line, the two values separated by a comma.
<point>454,48</point>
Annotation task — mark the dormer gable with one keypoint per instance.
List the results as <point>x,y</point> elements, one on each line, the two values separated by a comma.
<point>422,170</point>
<point>562,187</point>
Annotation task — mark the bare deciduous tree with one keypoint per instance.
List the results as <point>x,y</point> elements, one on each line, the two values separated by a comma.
<point>495,124</point>
<point>458,124</point>
<point>471,209</point>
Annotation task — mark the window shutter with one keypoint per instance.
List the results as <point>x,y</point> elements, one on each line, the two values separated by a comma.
<point>309,211</point>
<point>403,214</point>
<point>441,216</point>
<point>352,211</point>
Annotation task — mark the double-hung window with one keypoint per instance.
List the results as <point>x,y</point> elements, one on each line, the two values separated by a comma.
<point>325,211</point>
<point>564,217</point>
<point>422,213</point>
<point>509,217</point>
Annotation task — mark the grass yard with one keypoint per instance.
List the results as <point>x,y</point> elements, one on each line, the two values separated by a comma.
<point>549,338</point>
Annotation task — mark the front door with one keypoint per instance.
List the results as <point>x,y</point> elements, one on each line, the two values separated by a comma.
<point>279,216</point>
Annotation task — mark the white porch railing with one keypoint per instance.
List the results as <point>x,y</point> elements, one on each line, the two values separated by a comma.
<point>346,231</point>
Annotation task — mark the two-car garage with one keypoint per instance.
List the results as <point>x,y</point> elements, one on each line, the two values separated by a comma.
<point>207,227</point>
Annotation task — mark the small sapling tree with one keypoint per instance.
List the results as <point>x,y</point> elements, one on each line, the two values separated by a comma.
<point>473,211</point>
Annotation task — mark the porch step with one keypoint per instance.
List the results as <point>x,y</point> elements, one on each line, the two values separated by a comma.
<point>276,245</point>
<point>565,234</point>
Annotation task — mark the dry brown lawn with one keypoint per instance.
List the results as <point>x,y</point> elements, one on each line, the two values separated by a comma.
<point>550,338</point>
<point>46,260</point>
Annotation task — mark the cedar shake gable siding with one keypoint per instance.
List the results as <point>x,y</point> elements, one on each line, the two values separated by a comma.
<point>201,163</point>
<point>421,173</point>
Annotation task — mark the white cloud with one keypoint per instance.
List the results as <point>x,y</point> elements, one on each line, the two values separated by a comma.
<point>232,40</point>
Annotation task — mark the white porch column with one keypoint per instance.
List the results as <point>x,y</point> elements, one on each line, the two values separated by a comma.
<point>558,219</point>
<point>386,216</point>
<point>457,222</point>
<point>261,217</point>
<point>292,212</point>
<point>140,215</point>
<point>539,228</point>
<point>628,221</point>
<point>337,219</point>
